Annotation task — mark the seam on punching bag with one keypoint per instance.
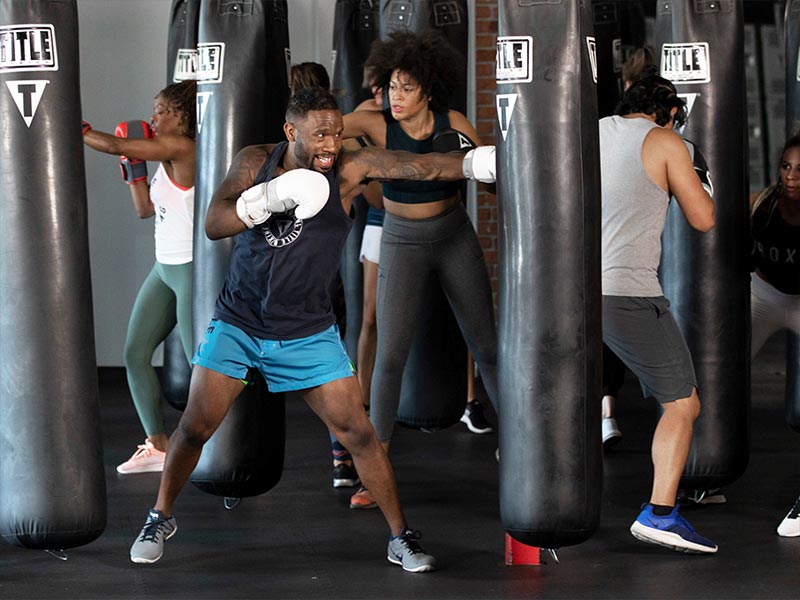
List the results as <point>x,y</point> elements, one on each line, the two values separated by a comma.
<point>712,6</point>
<point>538,2</point>
<point>235,8</point>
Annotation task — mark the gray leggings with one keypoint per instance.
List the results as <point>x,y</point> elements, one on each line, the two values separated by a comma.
<point>414,253</point>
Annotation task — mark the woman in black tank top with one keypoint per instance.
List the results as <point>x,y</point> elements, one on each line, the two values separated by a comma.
<point>775,283</point>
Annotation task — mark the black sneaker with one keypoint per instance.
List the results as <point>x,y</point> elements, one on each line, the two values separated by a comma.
<point>344,475</point>
<point>474,418</point>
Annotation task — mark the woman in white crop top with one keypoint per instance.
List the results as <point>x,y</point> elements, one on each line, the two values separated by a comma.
<point>165,297</point>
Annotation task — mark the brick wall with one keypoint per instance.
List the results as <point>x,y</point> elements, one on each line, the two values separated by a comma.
<point>485,119</point>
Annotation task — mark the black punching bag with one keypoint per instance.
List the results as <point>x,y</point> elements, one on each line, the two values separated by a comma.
<point>608,35</point>
<point>52,486</point>
<point>434,387</point>
<point>549,356</point>
<point>241,100</point>
<point>181,66</point>
<point>792,48</point>
<point>355,26</point>
<point>705,276</point>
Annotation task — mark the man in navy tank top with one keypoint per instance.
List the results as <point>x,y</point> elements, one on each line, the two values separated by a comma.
<point>287,205</point>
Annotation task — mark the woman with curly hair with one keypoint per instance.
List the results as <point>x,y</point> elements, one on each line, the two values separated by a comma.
<point>428,238</point>
<point>775,283</point>
<point>165,297</point>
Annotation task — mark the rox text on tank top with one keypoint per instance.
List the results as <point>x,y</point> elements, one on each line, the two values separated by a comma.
<point>775,247</point>
<point>634,210</point>
<point>416,192</point>
<point>281,272</point>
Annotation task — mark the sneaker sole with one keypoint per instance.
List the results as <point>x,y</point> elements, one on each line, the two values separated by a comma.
<point>419,569</point>
<point>465,420</point>
<point>668,539</point>
<point>150,469</point>
<point>787,532</point>
<point>147,561</point>
<point>612,441</point>
<point>337,483</point>
<point>364,506</point>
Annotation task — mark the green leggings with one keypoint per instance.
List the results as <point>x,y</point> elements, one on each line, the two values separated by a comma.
<point>164,299</point>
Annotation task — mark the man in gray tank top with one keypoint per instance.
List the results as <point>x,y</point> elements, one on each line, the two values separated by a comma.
<point>643,161</point>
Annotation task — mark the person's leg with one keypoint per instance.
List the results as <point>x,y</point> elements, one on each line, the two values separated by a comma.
<point>613,377</point>
<point>670,447</point>
<point>210,396</point>
<point>462,271</point>
<point>474,417</point>
<point>368,338</point>
<point>404,284</point>
<point>766,313</point>
<point>179,278</point>
<point>151,320</point>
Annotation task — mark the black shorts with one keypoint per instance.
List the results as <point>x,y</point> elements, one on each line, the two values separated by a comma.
<point>645,336</point>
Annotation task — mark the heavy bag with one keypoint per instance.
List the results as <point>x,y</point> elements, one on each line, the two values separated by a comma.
<point>608,35</point>
<point>243,88</point>
<point>52,486</point>
<point>181,66</point>
<point>706,276</point>
<point>549,358</point>
<point>792,47</point>
<point>355,26</point>
<point>182,40</point>
<point>448,17</point>
<point>434,387</point>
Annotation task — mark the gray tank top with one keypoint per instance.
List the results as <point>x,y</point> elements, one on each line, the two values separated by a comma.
<point>634,210</point>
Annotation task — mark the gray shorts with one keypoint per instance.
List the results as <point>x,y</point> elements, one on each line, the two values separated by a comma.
<point>645,336</point>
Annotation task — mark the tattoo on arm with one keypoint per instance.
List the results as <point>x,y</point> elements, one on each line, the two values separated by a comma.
<point>243,171</point>
<point>393,164</point>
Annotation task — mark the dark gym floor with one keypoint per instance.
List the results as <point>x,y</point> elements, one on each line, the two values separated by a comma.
<point>302,541</point>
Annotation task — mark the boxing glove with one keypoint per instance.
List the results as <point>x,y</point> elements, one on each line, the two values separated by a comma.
<point>304,190</point>
<point>133,170</point>
<point>85,127</point>
<point>452,140</point>
<point>479,164</point>
<point>700,167</point>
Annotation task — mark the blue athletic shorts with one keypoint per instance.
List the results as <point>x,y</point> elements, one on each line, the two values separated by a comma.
<point>286,365</point>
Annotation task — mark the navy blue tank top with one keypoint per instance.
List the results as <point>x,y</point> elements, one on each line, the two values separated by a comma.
<point>281,272</point>
<point>416,192</point>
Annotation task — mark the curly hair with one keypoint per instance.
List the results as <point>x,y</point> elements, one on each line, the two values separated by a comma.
<point>653,95</point>
<point>308,99</point>
<point>181,99</point>
<point>428,57</point>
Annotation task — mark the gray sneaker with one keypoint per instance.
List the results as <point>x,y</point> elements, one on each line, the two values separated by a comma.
<point>149,545</point>
<point>406,552</point>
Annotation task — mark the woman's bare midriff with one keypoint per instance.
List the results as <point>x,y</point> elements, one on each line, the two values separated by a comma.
<point>426,210</point>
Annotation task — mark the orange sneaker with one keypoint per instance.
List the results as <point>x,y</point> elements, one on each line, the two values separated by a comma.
<point>146,459</point>
<point>362,499</point>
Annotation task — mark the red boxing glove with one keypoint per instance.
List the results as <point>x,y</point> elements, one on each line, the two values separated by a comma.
<point>133,169</point>
<point>85,127</point>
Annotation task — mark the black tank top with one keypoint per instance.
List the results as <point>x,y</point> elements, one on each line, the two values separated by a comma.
<point>281,272</point>
<point>775,247</point>
<point>416,192</point>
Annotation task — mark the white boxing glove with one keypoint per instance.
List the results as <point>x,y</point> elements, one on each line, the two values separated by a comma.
<point>302,189</point>
<point>479,164</point>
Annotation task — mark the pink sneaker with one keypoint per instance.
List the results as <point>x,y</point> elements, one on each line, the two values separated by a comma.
<point>146,459</point>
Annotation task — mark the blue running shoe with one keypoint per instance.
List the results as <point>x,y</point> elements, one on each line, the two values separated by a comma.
<point>671,531</point>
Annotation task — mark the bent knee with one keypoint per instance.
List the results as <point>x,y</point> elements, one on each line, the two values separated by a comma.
<point>689,407</point>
